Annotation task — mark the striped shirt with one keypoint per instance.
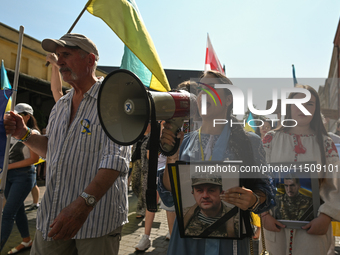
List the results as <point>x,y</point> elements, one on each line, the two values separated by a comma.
<point>207,220</point>
<point>75,153</point>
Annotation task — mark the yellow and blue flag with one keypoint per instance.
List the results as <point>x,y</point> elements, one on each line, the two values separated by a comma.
<point>5,94</point>
<point>140,55</point>
<point>247,127</point>
<point>5,85</point>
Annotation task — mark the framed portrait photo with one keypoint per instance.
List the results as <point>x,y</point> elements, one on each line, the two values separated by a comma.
<point>297,193</point>
<point>200,210</point>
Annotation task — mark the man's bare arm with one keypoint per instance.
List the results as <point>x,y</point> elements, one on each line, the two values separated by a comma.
<point>15,126</point>
<point>38,144</point>
<point>71,218</point>
<point>56,83</point>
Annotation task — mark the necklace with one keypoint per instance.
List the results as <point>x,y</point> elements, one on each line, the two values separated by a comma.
<point>200,141</point>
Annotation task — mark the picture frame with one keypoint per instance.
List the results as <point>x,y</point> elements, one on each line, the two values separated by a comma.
<point>297,193</point>
<point>193,210</point>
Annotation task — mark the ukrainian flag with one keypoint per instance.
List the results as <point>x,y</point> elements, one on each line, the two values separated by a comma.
<point>5,85</point>
<point>5,105</point>
<point>140,55</point>
<point>247,127</point>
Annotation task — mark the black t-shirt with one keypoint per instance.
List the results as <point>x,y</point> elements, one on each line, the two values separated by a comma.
<point>17,153</point>
<point>18,150</point>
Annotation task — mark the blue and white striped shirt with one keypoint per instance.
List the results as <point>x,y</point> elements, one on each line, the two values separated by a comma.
<point>73,158</point>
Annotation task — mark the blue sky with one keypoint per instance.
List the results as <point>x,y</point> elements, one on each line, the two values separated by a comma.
<point>252,38</point>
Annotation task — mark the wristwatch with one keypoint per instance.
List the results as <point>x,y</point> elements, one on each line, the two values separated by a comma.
<point>257,203</point>
<point>89,199</point>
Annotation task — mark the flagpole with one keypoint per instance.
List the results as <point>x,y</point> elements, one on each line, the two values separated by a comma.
<point>294,77</point>
<point>14,97</point>
<point>74,24</point>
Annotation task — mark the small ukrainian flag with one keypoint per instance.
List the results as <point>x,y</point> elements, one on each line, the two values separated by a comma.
<point>247,127</point>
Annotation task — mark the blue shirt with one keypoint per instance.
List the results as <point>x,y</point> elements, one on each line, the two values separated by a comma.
<point>75,153</point>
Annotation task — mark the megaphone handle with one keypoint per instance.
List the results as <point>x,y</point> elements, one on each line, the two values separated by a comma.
<point>168,150</point>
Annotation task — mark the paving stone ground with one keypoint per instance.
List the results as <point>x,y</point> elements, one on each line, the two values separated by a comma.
<point>131,233</point>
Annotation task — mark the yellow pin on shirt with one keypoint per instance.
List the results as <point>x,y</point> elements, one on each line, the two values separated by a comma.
<point>86,124</point>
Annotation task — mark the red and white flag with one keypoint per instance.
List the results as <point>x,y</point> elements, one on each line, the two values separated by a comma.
<point>211,60</point>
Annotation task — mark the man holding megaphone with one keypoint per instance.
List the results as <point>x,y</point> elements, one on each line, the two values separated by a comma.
<point>85,202</point>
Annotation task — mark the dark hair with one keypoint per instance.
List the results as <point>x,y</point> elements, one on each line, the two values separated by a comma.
<point>296,180</point>
<point>222,80</point>
<point>32,122</point>
<point>189,86</point>
<point>258,132</point>
<point>316,123</point>
<point>292,176</point>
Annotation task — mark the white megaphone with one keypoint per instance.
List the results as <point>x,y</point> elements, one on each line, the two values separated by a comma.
<point>124,107</point>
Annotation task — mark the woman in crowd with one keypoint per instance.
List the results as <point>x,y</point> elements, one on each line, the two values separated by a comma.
<point>217,144</point>
<point>265,128</point>
<point>305,141</point>
<point>20,181</point>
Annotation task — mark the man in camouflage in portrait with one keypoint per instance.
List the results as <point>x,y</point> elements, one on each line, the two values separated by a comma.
<point>208,209</point>
<point>292,205</point>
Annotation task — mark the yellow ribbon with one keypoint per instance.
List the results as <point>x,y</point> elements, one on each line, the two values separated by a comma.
<point>86,126</point>
<point>202,153</point>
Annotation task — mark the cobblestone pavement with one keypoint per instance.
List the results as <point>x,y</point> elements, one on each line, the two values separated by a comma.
<point>131,233</point>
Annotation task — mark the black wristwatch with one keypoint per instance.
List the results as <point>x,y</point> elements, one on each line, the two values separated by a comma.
<point>89,199</point>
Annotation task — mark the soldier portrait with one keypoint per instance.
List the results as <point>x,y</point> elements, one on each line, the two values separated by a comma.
<point>209,208</point>
<point>292,204</point>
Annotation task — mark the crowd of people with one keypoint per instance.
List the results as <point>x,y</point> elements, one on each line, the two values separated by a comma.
<point>85,205</point>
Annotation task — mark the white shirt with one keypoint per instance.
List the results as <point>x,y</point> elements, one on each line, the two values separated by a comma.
<point>75,153</point>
